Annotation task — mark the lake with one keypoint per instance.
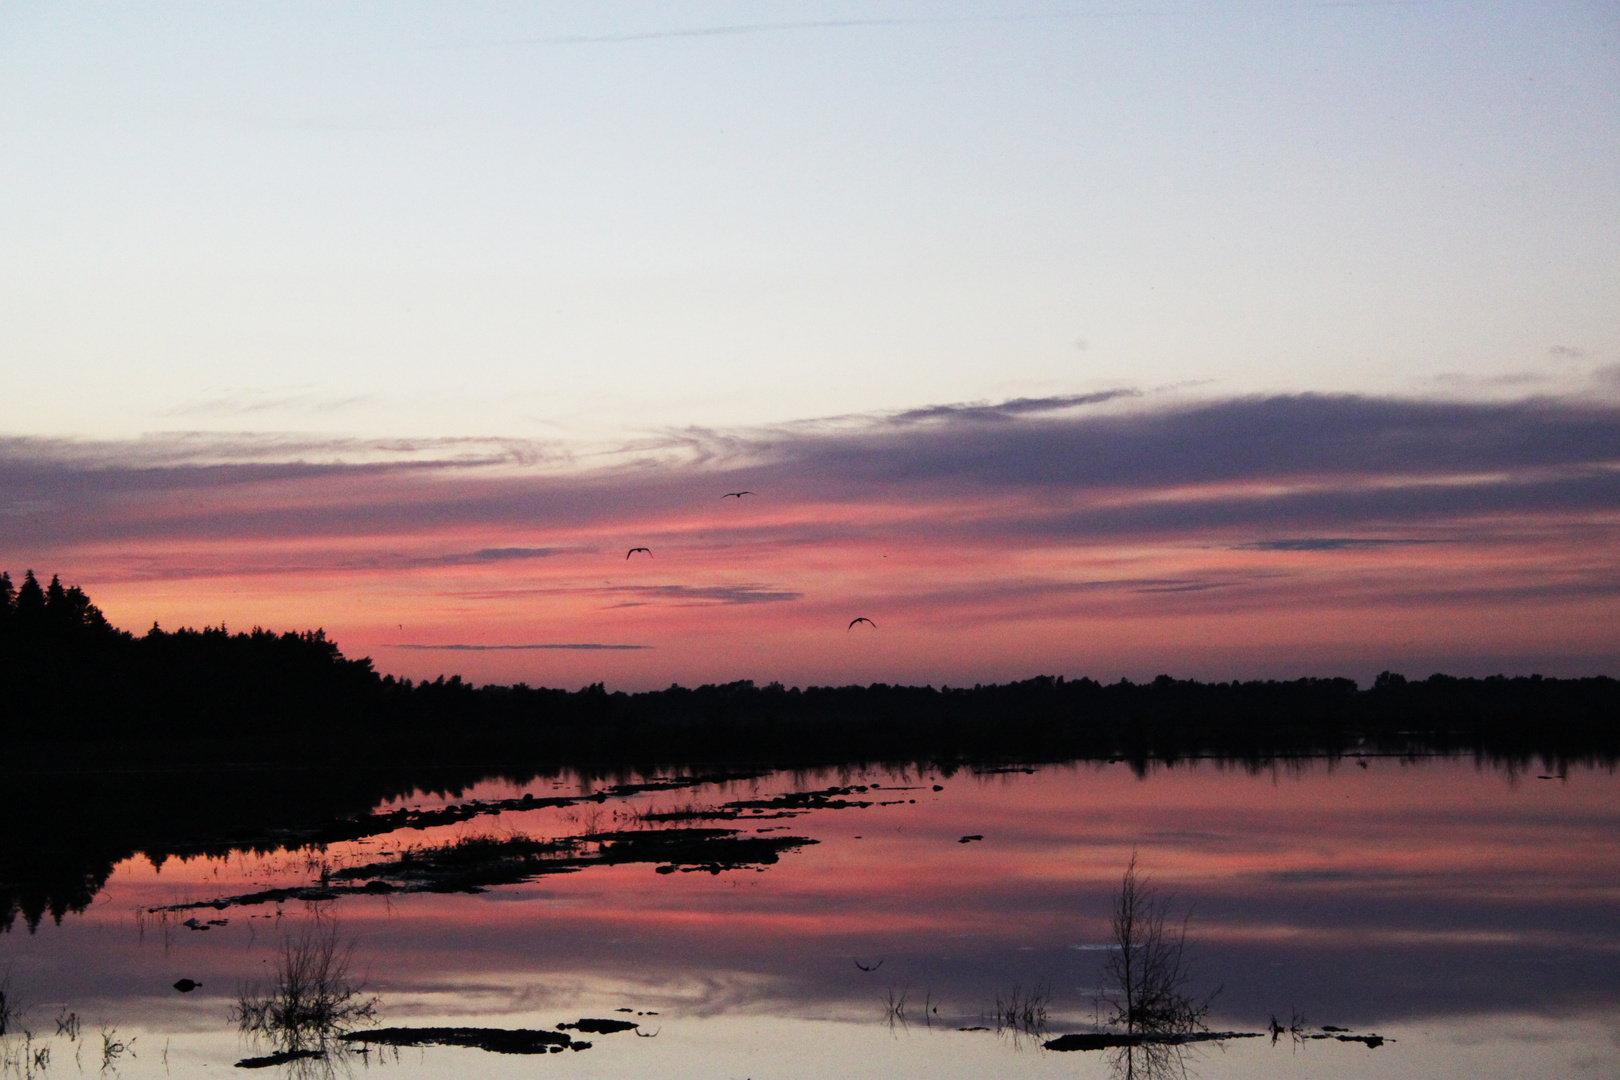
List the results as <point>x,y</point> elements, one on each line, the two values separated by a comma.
<point>1467,915</point>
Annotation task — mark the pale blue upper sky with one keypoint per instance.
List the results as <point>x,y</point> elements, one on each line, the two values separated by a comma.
<point>594,218</point>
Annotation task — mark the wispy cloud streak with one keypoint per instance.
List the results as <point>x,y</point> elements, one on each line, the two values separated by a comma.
<point>742,29</point>
<point>1327,543</point>
<point>589,646</point>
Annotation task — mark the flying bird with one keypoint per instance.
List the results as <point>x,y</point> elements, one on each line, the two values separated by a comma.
<point>874,967</point>
<point>736,494</point>
<point>863,619</point>
<point>632,551</point>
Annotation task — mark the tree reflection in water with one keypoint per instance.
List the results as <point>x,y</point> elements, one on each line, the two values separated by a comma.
<point>1150,1061</point>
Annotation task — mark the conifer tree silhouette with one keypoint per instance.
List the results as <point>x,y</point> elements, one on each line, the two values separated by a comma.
<point>30,602</point>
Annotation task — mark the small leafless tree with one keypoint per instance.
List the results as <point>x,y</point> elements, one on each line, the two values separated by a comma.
<point>1149,969</point>
<point>311,997</point>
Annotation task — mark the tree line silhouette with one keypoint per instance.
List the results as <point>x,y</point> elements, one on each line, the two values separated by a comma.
<point>207,741</point>
<point>74,680</point>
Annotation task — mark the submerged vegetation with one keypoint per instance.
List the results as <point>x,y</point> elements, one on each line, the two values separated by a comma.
<point>474,863</point>
<point>1021,1011</point>
<point>311,1000</point>
<point>314,1011</point>
<point>1150,1015</point>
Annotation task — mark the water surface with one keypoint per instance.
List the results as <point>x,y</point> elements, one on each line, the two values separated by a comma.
<point>1467,914</point>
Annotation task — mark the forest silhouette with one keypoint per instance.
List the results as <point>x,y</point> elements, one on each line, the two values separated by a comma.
<point>191,742</point>
<point>76,683</point>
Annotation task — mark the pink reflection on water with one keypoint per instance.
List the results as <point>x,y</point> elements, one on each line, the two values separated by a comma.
<point>1432,893</point>
<point>1263,856</point>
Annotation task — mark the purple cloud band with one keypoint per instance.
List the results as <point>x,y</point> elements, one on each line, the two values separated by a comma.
<point>1306,468</point>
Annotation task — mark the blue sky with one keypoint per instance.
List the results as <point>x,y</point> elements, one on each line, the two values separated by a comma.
<point>583,220</point>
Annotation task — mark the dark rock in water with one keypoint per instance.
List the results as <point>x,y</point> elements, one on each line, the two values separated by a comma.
<point>1330,1027</point>
<point>378,887</point>
<point>1371,1042</point>
<point>495,1040</point>
<point>597,1027</point>
<point>970,839</point>
<point>1098,1041</point>
<point>1102,1040</point>
<point>278,1059</point>
<point>939,787</point>
<point>186,986</point>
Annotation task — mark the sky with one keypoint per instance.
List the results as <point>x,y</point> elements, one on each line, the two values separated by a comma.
<point>1110,339</point>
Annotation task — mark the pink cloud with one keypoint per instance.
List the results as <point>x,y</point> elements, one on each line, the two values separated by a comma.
<point>1247,537</point>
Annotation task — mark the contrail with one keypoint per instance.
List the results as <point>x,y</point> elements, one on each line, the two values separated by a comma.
<point>728,31</point>
<point>817,24</point>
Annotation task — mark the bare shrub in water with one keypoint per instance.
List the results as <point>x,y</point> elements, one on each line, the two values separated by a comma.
<point>1022,1011</point>
<point>1150,975</point>
<point>1149,969</point>
<point>311,996</point>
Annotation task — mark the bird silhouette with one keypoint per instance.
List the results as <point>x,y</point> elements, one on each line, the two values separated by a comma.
<point>736,495</point>
<point>874,967</point>
<point>632,551</point>
<point>863,619</point>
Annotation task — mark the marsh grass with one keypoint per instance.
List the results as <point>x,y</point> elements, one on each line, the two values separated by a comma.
<point>311,997</point>
<point>894,1007</point>
<point>113,1048</point>
<point>1295,1029</point>
<point>1022,1012</point>
<point>648,816</point>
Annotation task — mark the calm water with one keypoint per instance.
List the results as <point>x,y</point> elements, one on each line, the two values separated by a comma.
<point>1470,916</point>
